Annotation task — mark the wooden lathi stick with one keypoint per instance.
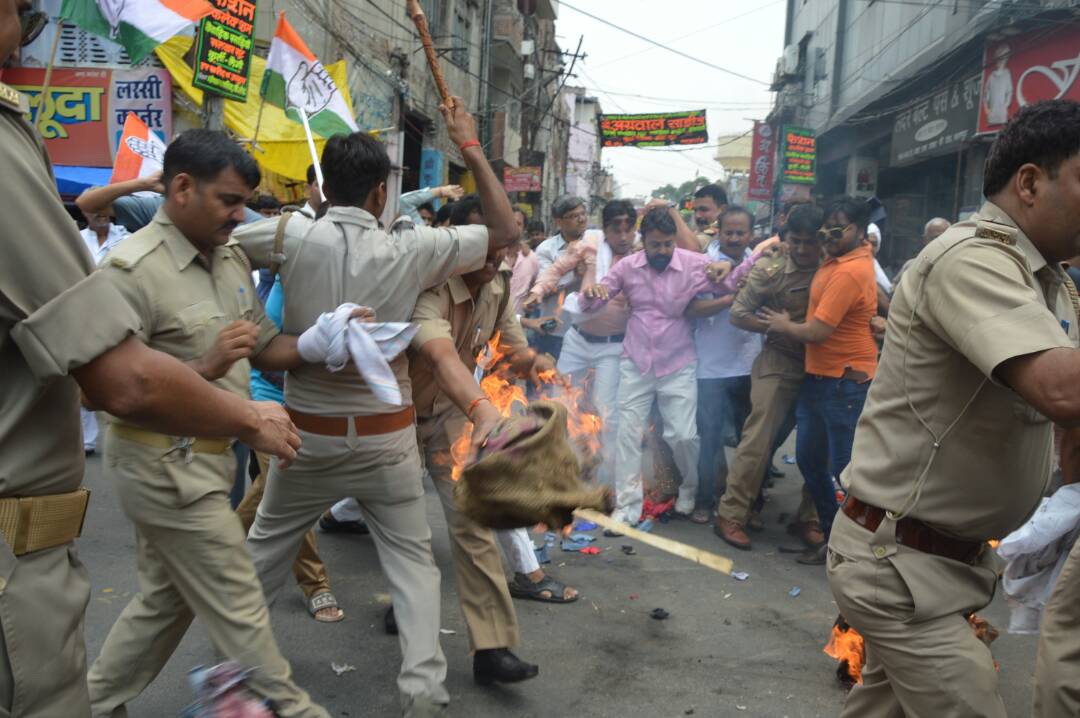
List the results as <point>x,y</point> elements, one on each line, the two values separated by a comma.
<point>420,20</point>
<point>690,553</point>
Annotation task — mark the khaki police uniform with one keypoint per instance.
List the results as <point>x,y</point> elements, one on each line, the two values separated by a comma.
<point>55,316</point>
<point>706,236</point>
<point>1057,667</point>
<point>353,444</point>
<point>954,457</point>
<point>190,544</point>
<point>450,312</point>
<point>779,284</point>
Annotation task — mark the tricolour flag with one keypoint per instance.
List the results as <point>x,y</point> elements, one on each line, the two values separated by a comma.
<point>138,25</point>
<point>139,153</point>
<point>295,79</point>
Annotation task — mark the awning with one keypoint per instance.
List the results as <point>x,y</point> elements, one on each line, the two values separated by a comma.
<point>71,180</point>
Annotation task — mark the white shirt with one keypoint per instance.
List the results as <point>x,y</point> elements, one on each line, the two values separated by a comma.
<point>547,252</point>
<point>98,252</point>
<point>724,350</point>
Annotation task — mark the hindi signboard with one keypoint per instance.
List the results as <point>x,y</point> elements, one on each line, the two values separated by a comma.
<point>760,188</point>
<point>936,124</point>
<point>1021,70</point>
<point>223,49</point>
<point>522,179</point>
<point>654,130</point>
<point>798,156</point>
<point>145,92</point>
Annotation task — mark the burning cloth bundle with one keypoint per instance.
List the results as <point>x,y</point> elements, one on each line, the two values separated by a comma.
<point>528,473</point>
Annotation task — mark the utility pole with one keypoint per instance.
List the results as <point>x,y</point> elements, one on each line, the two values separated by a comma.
<point>213,115</point>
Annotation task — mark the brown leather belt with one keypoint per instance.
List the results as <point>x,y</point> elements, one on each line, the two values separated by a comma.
<point>369,425</point>
<point>914,533</point>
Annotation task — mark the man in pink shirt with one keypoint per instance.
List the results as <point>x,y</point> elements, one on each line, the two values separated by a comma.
<point>594,342</point>
<point>658,357</point>
<point>524,264</point>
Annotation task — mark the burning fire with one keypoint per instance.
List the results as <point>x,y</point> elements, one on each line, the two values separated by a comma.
<point>846,646</point>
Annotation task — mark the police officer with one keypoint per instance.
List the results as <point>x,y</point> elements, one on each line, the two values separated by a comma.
<point>355,445</point>
<point>192,290</point>
<point>780,283</point>
<point>954,444</point>
<point>62,328</point>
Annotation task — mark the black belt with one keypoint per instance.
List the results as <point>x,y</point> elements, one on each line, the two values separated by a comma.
<point>593,339</point>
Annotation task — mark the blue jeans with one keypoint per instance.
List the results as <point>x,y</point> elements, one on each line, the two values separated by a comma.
<point>723,405</point>
<point>827,412</point>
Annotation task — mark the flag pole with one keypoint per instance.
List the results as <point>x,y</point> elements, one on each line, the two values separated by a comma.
<point>258,124</point>
<point>48,72</point>
<point>311,148</point>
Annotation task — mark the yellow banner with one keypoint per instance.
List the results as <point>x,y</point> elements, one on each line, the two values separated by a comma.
<point>285,147</point>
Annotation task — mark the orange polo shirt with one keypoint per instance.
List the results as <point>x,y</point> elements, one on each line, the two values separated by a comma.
<point>844,296</point>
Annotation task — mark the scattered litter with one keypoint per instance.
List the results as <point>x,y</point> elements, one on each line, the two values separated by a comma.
<point>562,564</point>
<point>382,598</point>
<point>795,591</point>
<point>740,575</point>
<point>595,607</point>
<point>590,550</point>
<point>583,525</point>
<point>646,526</point>
<point>653,509</point>
<point>106,590</point>
<point>659,614</point>
<point>611,534</point>
<point>542,556</point>
<point>727,595</point>
<point>633,597</point>
<point>568,545</point>
<point>789,460</point>
<point>586,538</point>
<point>340,668</point>
<point>628,549</point>
<point>447,632</point>
<point>737,706</point>
<point>550,538</point>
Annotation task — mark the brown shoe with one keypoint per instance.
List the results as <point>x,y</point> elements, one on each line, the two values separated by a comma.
<point>814,556</point>
<point>812,535</point>
<point>732,533</point>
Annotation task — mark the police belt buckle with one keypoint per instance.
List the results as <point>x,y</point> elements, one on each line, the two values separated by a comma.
<point>36,523</point>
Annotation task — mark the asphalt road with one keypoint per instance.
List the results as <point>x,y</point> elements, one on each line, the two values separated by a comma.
<point>729,648</point>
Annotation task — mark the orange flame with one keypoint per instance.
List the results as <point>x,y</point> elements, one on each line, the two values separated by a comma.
<point>846,646</point>
<point>558,305</point>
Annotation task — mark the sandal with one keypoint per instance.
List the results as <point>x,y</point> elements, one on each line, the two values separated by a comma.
<point>523,587</point>
<point>321,602</point>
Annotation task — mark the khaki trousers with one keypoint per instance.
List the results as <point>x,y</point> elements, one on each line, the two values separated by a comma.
<point>385,476</point>
<point>308,568</point>
<point>1057,668</point>
<point>482,591</point>
<point>922,657</point>
<point>191,562</point>
<point>773,391</point>
<point>43,597</point>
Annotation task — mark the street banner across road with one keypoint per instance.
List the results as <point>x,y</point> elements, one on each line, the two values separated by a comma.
<point>654,130</point>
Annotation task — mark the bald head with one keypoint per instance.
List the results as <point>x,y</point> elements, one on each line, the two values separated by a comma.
<point>934,229</point>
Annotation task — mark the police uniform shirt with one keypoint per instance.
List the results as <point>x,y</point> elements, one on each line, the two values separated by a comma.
<point>348,257</point>
<point>977,296</point>
<point>781,285</point>
<point>55,316</point>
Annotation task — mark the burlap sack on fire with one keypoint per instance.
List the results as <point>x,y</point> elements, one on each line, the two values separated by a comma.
<point>528,474</point>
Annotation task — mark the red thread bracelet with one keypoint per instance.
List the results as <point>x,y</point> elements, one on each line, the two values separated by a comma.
<point>466,145</point>
<point>472,407</point>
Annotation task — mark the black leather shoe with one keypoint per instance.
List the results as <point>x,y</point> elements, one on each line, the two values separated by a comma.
<point>499,665</point>
<point>775,473</point>
<point>390,622</point>
<point>330,525</point>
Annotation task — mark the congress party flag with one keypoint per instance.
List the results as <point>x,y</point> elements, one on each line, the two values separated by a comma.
<point>296,80</point>
<point>138,25</point>
<point>139,153</point>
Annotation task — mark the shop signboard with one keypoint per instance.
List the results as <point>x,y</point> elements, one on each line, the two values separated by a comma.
<point>223,49</point>
<point>798,156</point>
<point>937,123</point>
<point>1043,64</point>
<point>654,130</point>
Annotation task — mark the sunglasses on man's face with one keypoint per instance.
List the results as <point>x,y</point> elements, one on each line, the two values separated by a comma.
<point>31,23</point>
<point>832,234</point>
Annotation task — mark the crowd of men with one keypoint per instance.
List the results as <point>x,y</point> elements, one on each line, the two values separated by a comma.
<point>919,438</point>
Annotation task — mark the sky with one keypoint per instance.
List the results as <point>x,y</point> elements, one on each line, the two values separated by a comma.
<point>630,75</point>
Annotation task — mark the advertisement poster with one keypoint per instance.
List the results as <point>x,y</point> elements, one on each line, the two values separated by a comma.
<point>760,188</point>
<point>798,156</point>
<point>1041,65</point>
<point>223,49</point>
<point>522,179</point>
<point>936,124</point>
<point>654,130</point>
<point>73,120</point>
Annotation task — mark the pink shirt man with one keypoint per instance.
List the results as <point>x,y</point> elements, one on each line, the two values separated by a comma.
<point>659,339</point>
<point>524,268</point>
<point>606,321</point>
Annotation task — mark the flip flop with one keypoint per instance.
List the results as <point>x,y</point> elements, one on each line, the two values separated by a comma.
<point>322,601</point>
<point>523,587</point>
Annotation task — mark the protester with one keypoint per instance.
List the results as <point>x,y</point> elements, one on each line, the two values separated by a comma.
<point>571,217</point>
<point>266,205</point>
<point>779,283</point>
<point>710,202</point>
<point>933,229</point>
<point>442,217</point>
<point>525,266</point>
<point>725,355</point>
<point>536,232</point>
<point>841,356</point>
<point>418,205</point>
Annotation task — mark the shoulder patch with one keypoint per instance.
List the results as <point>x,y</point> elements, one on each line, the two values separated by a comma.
<point>13,100</point>
<point>998,232</point>
<point>128,254</point>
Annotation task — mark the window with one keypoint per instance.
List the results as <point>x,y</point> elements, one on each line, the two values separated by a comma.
<point>462,37</point>
<point>433,9</point>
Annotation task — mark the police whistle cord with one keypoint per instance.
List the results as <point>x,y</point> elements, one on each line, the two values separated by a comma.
<point>420,20</point>
<point>691,553</point>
